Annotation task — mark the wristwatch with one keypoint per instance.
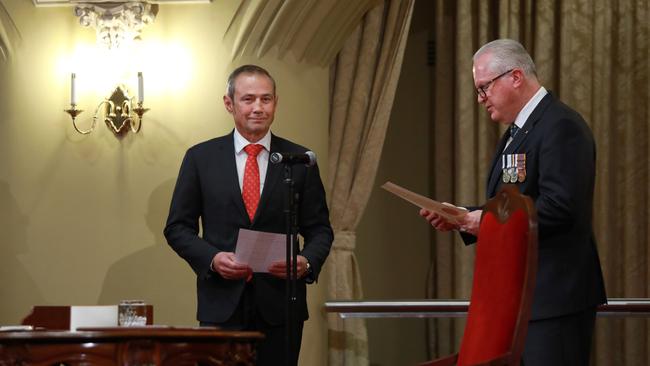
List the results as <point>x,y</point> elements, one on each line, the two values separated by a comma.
<point>308,271</point>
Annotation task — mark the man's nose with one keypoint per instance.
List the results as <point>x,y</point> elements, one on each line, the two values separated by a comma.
<point>257,106</point>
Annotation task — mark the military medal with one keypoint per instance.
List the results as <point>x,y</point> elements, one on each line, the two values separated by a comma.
<point>521,167</point>
<point>505,168</point>
<point>513,168</point>
<point>513,175</point>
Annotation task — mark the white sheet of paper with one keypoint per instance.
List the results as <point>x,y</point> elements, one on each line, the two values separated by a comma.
<point>259,249</point>
<point>449,212</point>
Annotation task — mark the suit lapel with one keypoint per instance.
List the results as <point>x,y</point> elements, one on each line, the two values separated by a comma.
<point>227,161</point>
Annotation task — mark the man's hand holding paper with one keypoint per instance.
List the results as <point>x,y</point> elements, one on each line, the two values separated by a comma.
<point>227,266</point>
<point>452,214</point>
<point>260,250</point>
<point>279,269</point>
<point>469,223</point>
<point>441,215</point>
<point>264,252</point>
<point>440,223</point>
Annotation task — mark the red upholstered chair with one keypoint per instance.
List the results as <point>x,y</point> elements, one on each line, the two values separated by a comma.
<point>503,284</point>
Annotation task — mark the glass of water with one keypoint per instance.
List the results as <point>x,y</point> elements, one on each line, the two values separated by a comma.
<point>132,313</point>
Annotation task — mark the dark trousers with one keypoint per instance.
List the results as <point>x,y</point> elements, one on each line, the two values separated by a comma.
<point>272,349</point>
<point>561,341</point>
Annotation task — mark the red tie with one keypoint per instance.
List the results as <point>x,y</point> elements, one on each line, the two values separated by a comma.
<point>251,190</point>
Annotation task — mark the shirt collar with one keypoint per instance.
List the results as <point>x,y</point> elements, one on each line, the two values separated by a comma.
<point>241,142</point>
<point>526,111</point>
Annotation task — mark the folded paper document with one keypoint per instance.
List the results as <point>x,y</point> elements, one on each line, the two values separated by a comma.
<point>449,212</point>
<point>260,249</point>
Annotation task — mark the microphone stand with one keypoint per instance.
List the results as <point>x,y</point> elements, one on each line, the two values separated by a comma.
<point>291,218</point>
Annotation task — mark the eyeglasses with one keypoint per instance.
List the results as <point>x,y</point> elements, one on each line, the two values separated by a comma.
<point>482,90</point>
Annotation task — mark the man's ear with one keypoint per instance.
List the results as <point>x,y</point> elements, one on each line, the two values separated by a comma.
<point>518,77</point>
<point>227,102</point>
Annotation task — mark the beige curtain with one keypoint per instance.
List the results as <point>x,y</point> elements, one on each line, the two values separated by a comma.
<point>9,35</point>
<point>593,54</point>
<point>364,79</point>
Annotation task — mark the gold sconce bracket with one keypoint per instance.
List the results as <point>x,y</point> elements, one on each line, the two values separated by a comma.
<point>74,112</point>
<point>118,113</point>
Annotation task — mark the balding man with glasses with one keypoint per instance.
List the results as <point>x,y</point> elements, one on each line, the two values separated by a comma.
<point>550,154</point>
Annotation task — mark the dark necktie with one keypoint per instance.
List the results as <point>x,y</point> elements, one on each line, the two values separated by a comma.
<point>251,189</point>
<point>513,130</point>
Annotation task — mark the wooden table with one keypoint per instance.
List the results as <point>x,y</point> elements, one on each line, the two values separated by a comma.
<point>129,346</point>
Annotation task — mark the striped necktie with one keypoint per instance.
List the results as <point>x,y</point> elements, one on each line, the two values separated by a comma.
<point>513,130</point>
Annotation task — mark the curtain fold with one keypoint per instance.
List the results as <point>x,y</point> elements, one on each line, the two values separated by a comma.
<point>364,80</point>
<point>593,54</point>
<point>9,35</point>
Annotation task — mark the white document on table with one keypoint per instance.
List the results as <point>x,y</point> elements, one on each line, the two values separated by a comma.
<point>260,249</point>
<point>93,316</point>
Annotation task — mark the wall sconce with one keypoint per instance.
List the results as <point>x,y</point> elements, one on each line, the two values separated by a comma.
<point>118,111</point>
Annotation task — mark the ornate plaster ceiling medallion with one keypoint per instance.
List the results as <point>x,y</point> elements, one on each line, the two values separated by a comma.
<point>116,24</point>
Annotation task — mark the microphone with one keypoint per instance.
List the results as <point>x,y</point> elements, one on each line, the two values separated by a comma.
<point>308,158</point>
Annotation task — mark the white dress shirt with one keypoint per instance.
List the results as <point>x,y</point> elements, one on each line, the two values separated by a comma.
<point>525,112</point>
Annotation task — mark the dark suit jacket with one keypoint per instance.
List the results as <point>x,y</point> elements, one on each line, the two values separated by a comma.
<point>560,173</point>
<point>208,188</point>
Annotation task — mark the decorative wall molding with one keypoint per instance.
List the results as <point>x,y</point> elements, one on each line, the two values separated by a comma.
<point>310,31</point>
<point>77,2</point>
<point>115,21</point>
<point>116,24</point>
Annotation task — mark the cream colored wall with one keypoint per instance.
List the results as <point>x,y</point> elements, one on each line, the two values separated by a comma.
<point>82,216</point>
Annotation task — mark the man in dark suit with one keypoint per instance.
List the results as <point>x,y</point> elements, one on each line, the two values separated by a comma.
<point>549,152</point>
<point>228,184</point>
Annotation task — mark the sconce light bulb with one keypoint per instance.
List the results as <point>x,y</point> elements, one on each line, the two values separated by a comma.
<point>140,88</point>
